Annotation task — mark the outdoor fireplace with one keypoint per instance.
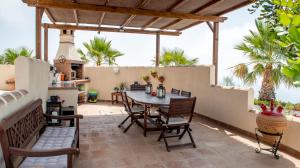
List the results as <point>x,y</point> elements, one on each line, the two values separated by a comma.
<point>67,60</point>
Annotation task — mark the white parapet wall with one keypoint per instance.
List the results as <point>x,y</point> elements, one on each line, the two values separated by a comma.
<point>228,105</point>
<point>6,72</point>
<point>32,75</point>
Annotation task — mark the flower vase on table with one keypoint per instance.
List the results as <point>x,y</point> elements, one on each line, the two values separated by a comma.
<point>161,90</point>
<point>148,88</point>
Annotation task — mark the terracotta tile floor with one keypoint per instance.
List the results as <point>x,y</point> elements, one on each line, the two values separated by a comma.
<point>104,145</point>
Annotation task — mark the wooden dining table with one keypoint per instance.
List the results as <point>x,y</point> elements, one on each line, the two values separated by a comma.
<point>150,101</point>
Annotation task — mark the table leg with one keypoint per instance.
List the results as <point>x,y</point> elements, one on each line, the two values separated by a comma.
<point>117,101</point>
<point>145,119</point>
<point>112,98</point>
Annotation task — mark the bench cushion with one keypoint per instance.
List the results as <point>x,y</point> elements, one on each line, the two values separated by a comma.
<point>52,138</point>
<point>59,132</point>
<point>48,143</point>
<point>45,162</point>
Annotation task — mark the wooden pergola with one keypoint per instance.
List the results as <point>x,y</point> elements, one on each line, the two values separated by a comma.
<point>156,17</point>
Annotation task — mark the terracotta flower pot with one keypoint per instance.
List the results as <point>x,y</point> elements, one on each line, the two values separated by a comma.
<point>271,124</point>
<point>10,84</point>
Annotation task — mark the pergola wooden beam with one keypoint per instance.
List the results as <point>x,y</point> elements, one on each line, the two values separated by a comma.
<point>177,5</point>
<point>76,17</point>
<point>173,7</point>
<point>123,10</point>
<point>107,29</point>
<point>157,49</point>
<point>143,3</point>
<point>38,32</point>
<point>215,59</point>
<point>50,16</point>
<point>201,8</point>
<point>151,22</point>
<point>103,14</point>
<point>221,13</point>
<point>207,5</point>
<point>101,19</point>
<point>210,26</point>
<point>46,43</point>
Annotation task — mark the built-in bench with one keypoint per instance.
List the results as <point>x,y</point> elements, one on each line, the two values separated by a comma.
<point>27,140</point>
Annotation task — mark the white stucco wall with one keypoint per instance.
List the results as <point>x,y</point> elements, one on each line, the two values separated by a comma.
<point>227,105</point>
<point>6,72</point>
<point>32,75</point>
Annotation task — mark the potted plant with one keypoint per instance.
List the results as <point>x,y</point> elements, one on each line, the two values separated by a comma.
<point>11,84</point>
<point>122,86</point>
<point>116,89</point>
<point>161,79</point>
<point>146,78</point>
<point>154,73</point>
<point>271,120</point>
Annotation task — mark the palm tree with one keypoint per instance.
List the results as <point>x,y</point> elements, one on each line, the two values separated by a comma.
<point>10,55</point>
<point>175,57</point>
<point>99,50</point>
<point>1,59</point>
<point>228,81</point>
<point>266,60</point>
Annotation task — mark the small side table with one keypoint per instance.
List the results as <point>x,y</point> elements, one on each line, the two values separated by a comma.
<point>274,147</point>
<point>114,97</point>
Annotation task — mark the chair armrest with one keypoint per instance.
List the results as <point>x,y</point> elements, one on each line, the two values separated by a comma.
<point>66,117</point>
<point>42,153</point>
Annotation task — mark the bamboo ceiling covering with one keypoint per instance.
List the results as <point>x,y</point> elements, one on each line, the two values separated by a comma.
<point>61,12</point>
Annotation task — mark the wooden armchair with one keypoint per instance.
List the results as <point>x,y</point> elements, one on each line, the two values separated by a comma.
<point>134,112</point>
<point>175,91</point>
<point>173,120</point>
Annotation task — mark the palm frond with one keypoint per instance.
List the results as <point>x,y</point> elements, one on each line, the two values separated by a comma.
<point>100,50</point>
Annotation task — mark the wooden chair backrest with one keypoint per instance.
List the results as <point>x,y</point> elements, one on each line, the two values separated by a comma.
<point>18,129</point>
<point>175,91</point>
<point>125,102</point>
<point>182,107</point>
<point>185,93</point>
<point>137,87</point>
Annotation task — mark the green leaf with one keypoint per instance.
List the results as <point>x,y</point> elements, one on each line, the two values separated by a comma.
<point>296,20</point>
<point>284,19</point>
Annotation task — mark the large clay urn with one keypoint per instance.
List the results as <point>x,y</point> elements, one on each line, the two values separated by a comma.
<point>271,121</point>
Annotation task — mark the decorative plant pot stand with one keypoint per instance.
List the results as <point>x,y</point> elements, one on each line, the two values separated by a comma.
<point>274,147</point>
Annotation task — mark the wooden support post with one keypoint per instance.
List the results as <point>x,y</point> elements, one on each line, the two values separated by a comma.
<point>38,33</point>
<point>157,49</point>
<point>216,49</point>
<point>46,43</point>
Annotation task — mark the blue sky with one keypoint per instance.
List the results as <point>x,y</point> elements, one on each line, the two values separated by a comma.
<point>17,28</point>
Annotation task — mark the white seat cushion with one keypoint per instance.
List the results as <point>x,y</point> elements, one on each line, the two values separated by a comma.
<point>59,132</point>
<point>45,162</point>
<point>49,143</point>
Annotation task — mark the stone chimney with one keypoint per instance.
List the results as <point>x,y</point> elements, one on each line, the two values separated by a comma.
<point>66,47</point>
